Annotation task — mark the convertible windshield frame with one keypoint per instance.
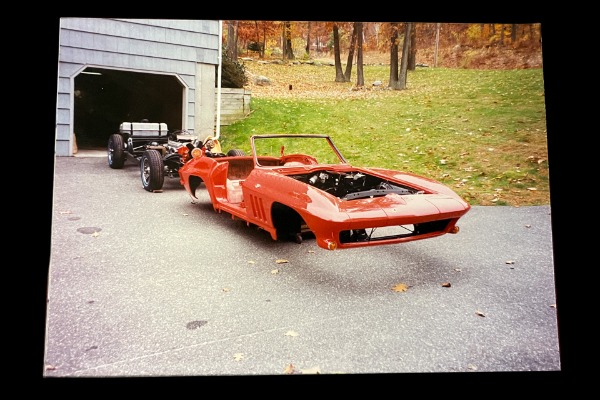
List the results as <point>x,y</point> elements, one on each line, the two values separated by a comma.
<point>276,150</point>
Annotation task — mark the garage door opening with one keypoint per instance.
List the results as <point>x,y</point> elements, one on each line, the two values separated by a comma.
<point>105,98</point>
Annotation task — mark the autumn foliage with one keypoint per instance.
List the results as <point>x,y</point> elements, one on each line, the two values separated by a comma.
<point>265,39</point>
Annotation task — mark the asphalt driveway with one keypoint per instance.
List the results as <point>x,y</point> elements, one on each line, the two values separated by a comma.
<point>152,284</point>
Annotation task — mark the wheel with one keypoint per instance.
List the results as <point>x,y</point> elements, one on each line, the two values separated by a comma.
<point>116,151</point>
<point>235,153</point>
<point>152,170</point>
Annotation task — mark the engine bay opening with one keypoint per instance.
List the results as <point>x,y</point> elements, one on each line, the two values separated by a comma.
<point>353,185</point>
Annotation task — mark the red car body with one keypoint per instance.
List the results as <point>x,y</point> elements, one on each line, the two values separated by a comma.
<point>292,193</point>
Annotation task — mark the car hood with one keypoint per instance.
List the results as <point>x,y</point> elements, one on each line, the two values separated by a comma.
<point>394,205</point>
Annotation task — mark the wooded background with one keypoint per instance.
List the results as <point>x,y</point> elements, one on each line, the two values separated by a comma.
<point>305,39</point>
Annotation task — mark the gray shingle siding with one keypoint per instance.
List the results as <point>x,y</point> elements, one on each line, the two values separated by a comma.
<point>166,39</point>
<point>163,46</point>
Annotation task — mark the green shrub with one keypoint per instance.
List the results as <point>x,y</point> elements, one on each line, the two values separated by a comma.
<point>255,46</point>
<point>233,73</point>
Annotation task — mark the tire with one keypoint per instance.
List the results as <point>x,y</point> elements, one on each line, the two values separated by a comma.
<point>152,170</point>
<point>235,153</point>
<point>116,151</point>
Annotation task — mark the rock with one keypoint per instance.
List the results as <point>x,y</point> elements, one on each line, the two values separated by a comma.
<point>261,80</point>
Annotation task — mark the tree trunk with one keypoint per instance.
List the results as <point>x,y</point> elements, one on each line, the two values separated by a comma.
<point>235,40</point>
<point>308,39</point>
<point>412,57</point>
<point>360,77</point>
<point>394,56</point>
<point>404,63</point>
<point>258,42</point>
<point>289,51</point>
<point>264,41</point>
<point>348,72</point>
<point>437,44</point>
<point>513,33</point>
<point>282,42</point>
<point>231,43</point>
<point>531,34</point>
<point>339,74</point>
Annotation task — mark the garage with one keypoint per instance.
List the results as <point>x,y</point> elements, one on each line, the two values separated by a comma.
<point>114,70</point>
<point>104,98</point>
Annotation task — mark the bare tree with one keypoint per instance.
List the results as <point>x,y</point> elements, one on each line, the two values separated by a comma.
<point>261,48</point>
<point>394,55</point>
<point>288,51</point>
<point>339,74</point>
<point>398,81</point>
<point>405,54</point>
<point>348,72</point>
<point>232,40</point>
<point>437,44</point>
<point>513,33</point>
<point>308,39</point>
<point>360,77</point>
<point>412,56</point>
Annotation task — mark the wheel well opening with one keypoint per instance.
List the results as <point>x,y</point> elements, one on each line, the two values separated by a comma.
<point>195,182</point>
<point>286,221</point>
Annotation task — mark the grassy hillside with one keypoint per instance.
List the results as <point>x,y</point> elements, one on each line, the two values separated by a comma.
<point>480,131</point>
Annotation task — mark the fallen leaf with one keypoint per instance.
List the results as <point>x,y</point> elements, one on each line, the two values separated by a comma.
<point>50,367</point>
<point>95,234</point>
<point>311,371</point>
<point>458,269</point>
<point>510,262</point>
<point>311,251</point>
<point>401,287</point>
<point>446,284</point>
<point>186,214</point>
<point>251,262</point>
<point>275,271</point>
<point>553,305</point>
<point>528,226</point>
<point>291,333</point>
<point>291,370</point>
<point>65,212</point>
<point>281,261</point>
<point>472,367</point>
<point>226,289</point>
<point>195,324</point>
<point>480,313</point>
<point>238,356</point>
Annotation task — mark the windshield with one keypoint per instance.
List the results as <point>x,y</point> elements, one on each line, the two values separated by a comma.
<point>318,149</point>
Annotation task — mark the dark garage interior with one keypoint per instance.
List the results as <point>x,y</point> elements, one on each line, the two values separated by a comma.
<point>105,98</point>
